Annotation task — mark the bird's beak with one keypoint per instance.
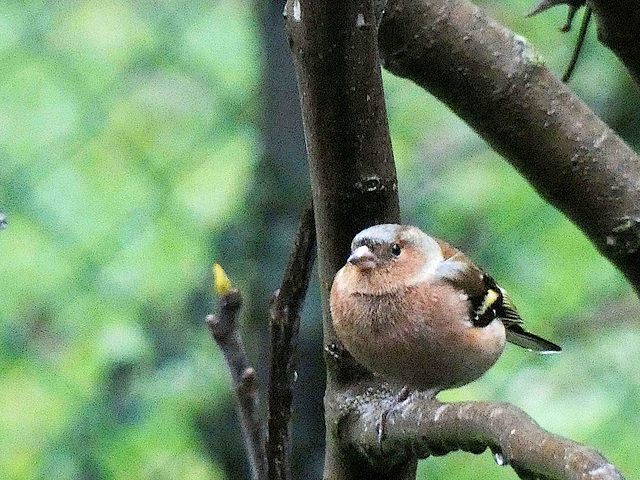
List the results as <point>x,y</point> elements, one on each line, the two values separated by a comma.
<point>362,257</point>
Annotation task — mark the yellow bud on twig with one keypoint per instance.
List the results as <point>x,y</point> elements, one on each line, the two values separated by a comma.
<point>220,280</point>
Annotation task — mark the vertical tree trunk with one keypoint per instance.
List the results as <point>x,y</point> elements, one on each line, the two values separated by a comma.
<point>353,178</point>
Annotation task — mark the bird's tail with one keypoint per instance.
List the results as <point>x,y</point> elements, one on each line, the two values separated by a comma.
<point>519,336</point>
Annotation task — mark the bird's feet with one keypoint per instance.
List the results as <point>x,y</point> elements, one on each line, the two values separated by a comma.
<point>402,396</point>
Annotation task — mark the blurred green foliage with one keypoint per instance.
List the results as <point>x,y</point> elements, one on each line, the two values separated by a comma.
<point>130,136</point>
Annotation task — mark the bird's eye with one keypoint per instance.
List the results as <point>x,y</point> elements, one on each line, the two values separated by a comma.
<point>395,249</point>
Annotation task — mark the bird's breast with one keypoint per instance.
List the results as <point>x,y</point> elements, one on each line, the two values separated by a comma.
<point>420,335</point>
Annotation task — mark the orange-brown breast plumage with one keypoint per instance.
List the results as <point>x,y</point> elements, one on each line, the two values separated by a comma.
<point>407,335</point>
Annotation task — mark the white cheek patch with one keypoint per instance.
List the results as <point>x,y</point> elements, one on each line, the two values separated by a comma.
<point>433,264</point>
<point>451,268</point>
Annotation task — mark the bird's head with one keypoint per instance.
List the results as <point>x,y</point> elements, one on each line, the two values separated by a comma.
<point>391,255</point>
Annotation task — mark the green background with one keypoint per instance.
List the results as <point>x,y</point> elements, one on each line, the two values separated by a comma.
<point>138,148</point>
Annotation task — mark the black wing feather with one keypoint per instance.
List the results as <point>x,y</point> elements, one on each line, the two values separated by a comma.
<point>488,301</point>
<point>519,336</point>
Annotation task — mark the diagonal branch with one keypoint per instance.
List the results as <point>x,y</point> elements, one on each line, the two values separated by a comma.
<point>224,330</point>
<point>430,427</point>
<point>494,80</point>
<point>284,322</point>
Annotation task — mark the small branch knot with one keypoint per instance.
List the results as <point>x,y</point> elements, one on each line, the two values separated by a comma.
<point>248,386</point>
<point>374,184</point>
<point>224,324</point>
<point>370,184</point>
<point>624,239</point>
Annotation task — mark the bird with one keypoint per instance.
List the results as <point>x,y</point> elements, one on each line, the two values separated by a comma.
<point>415,310</point>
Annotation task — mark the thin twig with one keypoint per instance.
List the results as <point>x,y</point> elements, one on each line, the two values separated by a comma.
<point>576,52</point>
<point>284,322</point>
<point>223,328</point>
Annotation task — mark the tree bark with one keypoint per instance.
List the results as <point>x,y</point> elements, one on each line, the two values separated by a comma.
<point>429,427</point>
<point>334,45</point>
<point>496,82</point>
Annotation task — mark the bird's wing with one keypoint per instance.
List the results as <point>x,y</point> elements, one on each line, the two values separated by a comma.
<point>489,301</point>
<point>509,314</point>
<point>516,333</point>
<point>484,295</point>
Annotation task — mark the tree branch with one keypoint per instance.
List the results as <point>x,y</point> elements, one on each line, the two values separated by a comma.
<point>350,160</point>
<point>348,145</point>
<point>430,427</point>
<point>354,186</point>
<point>495,82</point>
<point>284,323</point>
<point>223,328</point>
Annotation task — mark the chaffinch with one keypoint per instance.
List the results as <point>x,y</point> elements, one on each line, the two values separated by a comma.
<point>414,309</point>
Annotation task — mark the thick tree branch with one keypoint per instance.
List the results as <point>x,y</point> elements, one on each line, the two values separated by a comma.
<point>618,26</point>
<point>348,145</point>
<point>224,330</point>
<point>495,82</point>
<point>429,427</point>
<point>284,323</point>
<point>350,159</point>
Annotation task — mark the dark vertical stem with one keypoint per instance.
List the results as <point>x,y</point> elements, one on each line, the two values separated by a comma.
<point>284,323</point>
<point>576,52</point>
<point>283,169</point>
<point>348,145</point>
